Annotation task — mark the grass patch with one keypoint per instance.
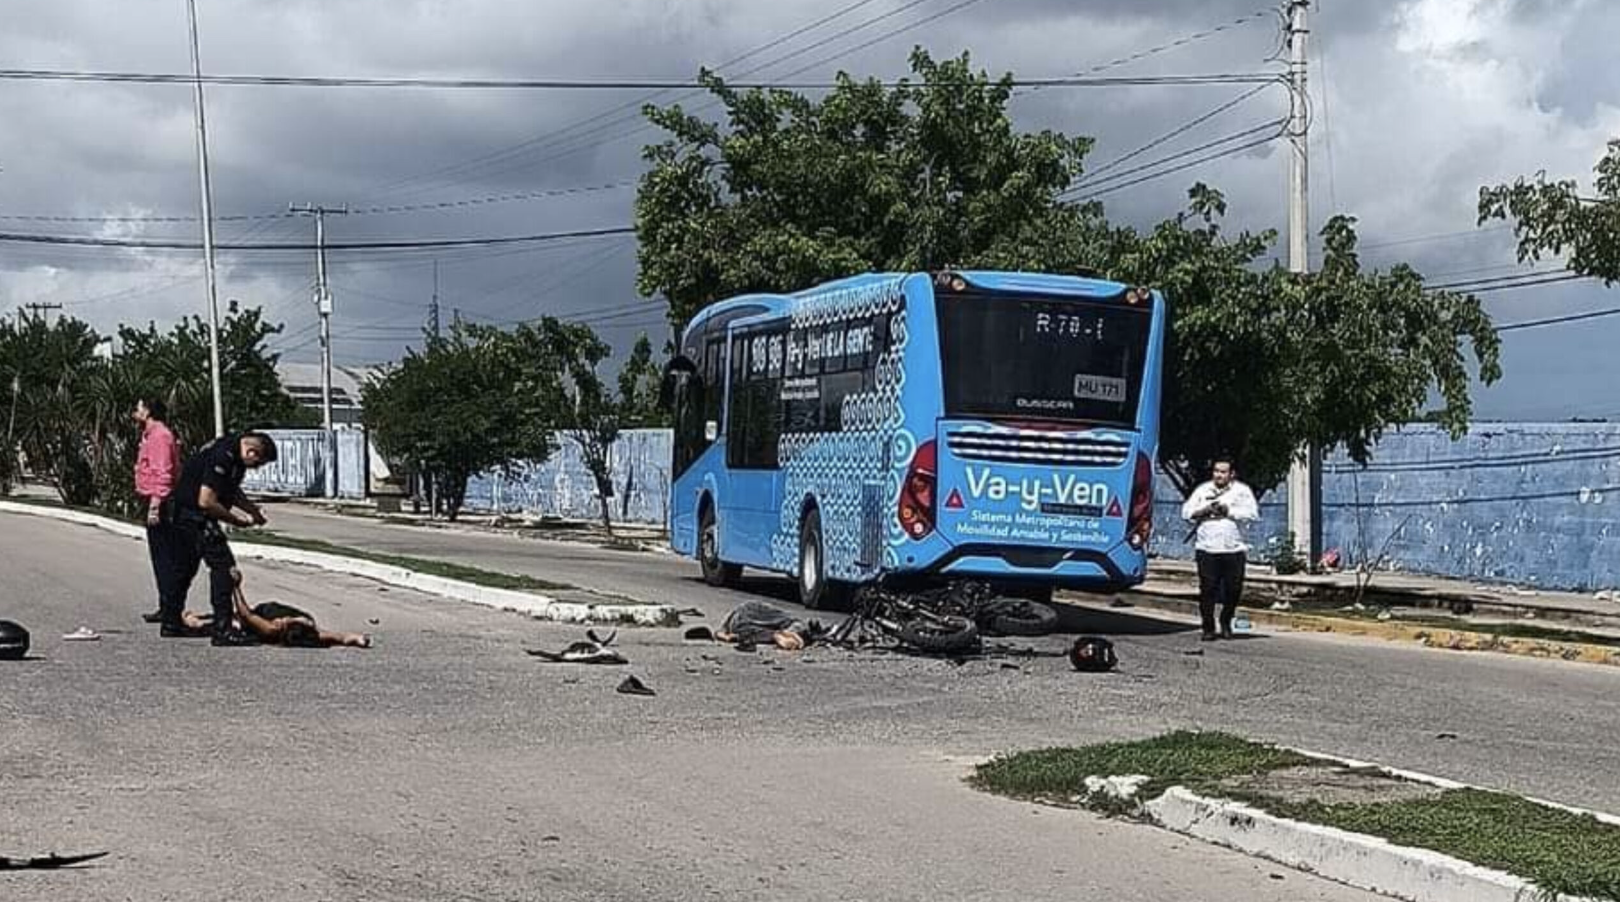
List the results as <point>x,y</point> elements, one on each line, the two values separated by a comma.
<point>445,569</point>
<point>1504,630</point>
<point>36,501</point>
<point>1560,852</point>
<point>1188,759</point>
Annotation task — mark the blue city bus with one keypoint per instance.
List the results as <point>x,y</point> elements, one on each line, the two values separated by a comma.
<point>993,426</point>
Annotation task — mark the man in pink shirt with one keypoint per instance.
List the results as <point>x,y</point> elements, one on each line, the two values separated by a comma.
<point>157,467</point>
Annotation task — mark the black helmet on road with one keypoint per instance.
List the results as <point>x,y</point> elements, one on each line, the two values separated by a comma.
<point>13,641</point>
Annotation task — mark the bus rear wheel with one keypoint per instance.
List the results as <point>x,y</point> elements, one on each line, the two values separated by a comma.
<point>816,592</point>
<point>716,572</point>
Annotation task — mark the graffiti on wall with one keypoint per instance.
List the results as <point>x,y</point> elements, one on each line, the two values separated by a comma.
<point>562,486</point>
<point>1520,503</point>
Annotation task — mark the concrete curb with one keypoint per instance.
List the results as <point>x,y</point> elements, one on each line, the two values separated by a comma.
<point>539,607</point>
<point>1365,862</point>
<point>1393,631</point>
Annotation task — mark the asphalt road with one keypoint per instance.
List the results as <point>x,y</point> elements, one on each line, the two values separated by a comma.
<point>1536,727</point>
<point>446,764</point>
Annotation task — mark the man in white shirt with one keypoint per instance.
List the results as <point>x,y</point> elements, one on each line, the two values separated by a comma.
<point>1220,508</point>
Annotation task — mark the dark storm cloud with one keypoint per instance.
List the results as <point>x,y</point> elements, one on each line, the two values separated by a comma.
<point>1420,102</point>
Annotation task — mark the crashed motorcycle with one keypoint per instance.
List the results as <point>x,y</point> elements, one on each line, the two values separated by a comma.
<point>994,614</point>
<point>950,619</point>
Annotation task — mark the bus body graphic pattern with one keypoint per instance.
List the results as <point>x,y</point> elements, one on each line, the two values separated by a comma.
<point>838,468</point>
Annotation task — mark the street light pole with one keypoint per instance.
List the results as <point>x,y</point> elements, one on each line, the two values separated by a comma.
<point>323,306</point>
<point>208,224</point>
<point>1304,478</point>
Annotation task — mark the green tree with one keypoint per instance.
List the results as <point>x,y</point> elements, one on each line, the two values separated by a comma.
<point>53,367</point>
<point>73,407</point>
<point>926,174</point>
<point>1555,218</point>
<point>174,365</point>
<point>931,173</point>
<point>475,400</point>
<point>1260,360</point>
<point>639,380</point>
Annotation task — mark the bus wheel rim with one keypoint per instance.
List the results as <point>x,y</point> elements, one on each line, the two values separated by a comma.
<point>809,569</point>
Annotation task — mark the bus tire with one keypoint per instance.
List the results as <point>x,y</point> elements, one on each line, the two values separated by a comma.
<point>716,572</point>
<point>1037,593</point>
<point>949,635</point>
<point>1019,617</point>
<point>816,592</point>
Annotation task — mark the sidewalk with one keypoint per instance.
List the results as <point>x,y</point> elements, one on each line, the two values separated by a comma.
<point>1176,578</point>
<point>629,536</point>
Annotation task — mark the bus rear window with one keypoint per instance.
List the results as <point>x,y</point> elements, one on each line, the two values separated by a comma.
<point>1048,358</point>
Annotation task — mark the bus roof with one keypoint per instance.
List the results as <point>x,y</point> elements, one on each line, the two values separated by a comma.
<point>992,279</point>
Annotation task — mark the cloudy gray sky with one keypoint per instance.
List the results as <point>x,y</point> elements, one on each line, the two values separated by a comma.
<point>1416,103</point>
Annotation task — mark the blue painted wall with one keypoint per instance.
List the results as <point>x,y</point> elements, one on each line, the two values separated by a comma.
<point>563,487</point>
<point>1522,503</point>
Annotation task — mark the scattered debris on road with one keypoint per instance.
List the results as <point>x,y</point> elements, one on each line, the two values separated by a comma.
<point>82,634</point>
<point>48,862</point>
<point>592,650</point>
<point>633,686</point>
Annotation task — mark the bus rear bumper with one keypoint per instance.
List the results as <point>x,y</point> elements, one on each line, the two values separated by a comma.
<point>1064,568</point>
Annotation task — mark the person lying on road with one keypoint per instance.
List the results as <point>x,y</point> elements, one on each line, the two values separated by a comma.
<point>275,623</point>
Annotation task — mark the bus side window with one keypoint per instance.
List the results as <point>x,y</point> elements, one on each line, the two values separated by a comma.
<point>714,377</point>
<point>754,432</point>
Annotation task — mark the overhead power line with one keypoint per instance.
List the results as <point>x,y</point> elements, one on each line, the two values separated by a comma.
<point>1087,185</point>
<point>1084,193</point>
<point>1195,37</point>
<point>417,244</point>
<point>559,141</point>
<point>1470,284</point>
<point>1559,320</point>
<point>299,81</point>
<point>377,210</point>
<point>633,106</point>
<point>1171,135</point>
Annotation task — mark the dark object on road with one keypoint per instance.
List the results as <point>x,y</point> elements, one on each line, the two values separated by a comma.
<point>909,619</point>
<point>699,634</point>
<point>993,614</point>
<point>633,686</point>
<point>1446,736</point>
<point>1093,654</point>
<point>757,623</point>
<point>594,650</point>
<point>48,862</point>
<point>13,641</point>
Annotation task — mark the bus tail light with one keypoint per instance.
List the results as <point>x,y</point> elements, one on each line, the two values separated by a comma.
<point>917,493</point>
<point>1140,525</point>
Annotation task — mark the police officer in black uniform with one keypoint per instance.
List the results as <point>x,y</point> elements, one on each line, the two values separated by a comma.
<point>208,495</point>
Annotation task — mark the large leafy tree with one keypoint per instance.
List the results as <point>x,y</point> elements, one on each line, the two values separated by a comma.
<point>790,191</point>
<point>477,399</point>
<point>72,406</point>
<point>638,388</point>
<point>174,365</point>
<point>794,191</point>
<point>1555,218</point>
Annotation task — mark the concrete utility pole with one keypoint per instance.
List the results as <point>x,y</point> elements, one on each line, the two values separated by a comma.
<point>1305,478</point>
<point>40,310</point>
<point>323,306</point>
<point>433,306</point>
<point>208,223</point>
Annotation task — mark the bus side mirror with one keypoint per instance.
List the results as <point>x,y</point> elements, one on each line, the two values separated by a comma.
<point>676,373</point>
